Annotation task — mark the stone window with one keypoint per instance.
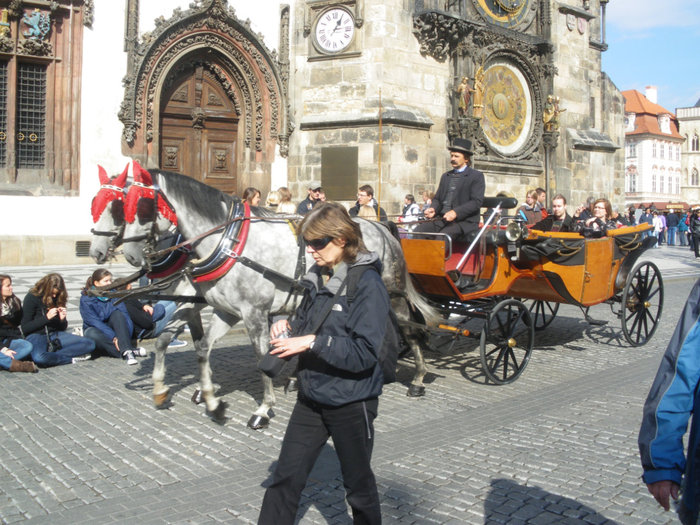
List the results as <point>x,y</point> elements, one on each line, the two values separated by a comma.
<point>694,177</point>
<point>653,149</point>
<point>633,149</point>
<point>662,150</point>
<point>40,97</point>
<point>695,143</point>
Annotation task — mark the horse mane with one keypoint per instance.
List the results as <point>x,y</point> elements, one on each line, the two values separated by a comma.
<point>200,197</point>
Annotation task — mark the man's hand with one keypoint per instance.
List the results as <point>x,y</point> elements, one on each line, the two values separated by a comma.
<point>450,216</point>
<point>429,213</point>
<point>661,491</point>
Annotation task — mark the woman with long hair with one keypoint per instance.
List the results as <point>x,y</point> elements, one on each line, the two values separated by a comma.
<point>13,347</point>
<point>286,205</point>
<point>339,374</point>
<point>106,323</point>
<point>252,196</point>
<point>44,325</point>
<point>530,211</point>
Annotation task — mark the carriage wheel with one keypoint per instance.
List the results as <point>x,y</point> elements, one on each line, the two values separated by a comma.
<point>543,313</point>
<point>507,341</point>
<point>642,303</point>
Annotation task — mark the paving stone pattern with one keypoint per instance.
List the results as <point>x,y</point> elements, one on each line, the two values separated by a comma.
<point>83,444</point>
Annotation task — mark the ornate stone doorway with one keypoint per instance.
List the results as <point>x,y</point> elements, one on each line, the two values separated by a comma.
<point>199,129</point>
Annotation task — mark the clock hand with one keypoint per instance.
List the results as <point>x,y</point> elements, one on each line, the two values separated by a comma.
<point>337,25</point>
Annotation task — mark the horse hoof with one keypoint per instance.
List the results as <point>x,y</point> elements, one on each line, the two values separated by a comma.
<point>257,422</point>
<point>197,397</point>
<point>291,385</point>
<point>161,400</point>
<point>219,413</point>
<point>415,391</point>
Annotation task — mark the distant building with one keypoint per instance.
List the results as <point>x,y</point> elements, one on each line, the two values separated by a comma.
<point>689,127</point>
<point>652,150</point>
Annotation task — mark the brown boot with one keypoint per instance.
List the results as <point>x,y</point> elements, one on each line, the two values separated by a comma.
<point>22,366</point>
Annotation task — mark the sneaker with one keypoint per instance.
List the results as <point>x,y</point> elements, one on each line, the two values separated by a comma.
<point>177,343</point>
<point>140,352</point>
<point>80,358</point>
<point>129,357</point>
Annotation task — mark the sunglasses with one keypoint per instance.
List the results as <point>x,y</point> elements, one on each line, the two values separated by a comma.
<point>318,244</point>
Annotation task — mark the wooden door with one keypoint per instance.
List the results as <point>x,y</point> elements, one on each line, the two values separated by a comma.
<point>199,130</point>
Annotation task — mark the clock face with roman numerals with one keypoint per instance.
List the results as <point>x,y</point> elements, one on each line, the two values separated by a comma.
<point>334,30</point>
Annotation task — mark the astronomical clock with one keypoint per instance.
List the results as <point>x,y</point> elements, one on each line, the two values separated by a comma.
<point>503,70</point>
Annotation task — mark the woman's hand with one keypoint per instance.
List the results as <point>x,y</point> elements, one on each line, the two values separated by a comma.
<point>279,328</point>
<point>62,312</point>
<point>291,346</point>
<point>52,312</point>
<point>148,309</point>
<point>116,343</point>
<point>9,353</point>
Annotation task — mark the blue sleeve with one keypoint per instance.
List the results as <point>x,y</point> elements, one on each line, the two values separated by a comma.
<point>671,399</point>
<point>366,323</point>
<point>93,318</point>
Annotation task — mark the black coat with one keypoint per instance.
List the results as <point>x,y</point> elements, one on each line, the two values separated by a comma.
<point>9,327</point>
<point>34,317</point>
<point>467,199</point>
<point>546,224</point>
<point>343,365</point>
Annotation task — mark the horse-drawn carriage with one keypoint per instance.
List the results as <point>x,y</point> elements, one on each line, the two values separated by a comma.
<point>243,262</point>
<point>514,279</point>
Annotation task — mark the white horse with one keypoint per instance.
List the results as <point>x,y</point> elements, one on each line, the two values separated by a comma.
<point>243,293</point>
<point>108,215</point>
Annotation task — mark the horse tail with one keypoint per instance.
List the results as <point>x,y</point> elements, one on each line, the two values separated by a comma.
<point>430,315</point>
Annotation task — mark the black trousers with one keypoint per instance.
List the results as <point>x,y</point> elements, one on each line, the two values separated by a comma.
<point>352,429</point>
<point>453,229</point>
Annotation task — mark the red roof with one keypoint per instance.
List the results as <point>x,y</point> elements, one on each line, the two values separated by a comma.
<point>647,113</point>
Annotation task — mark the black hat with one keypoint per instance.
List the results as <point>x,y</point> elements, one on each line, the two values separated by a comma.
<point>462,145</point>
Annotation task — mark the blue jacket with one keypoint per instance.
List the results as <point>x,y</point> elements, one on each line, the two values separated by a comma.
<point>96,313</point>
<point>669,406</point>
<point>342,367</point>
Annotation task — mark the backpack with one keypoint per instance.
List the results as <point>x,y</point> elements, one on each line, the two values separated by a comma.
<point>391,346</point>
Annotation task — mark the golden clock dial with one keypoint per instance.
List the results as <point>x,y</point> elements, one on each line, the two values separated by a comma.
<point>334,30</point>
<point>505,13</point>
<point>507,114</point>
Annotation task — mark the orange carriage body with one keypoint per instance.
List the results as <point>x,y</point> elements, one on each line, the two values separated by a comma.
<point>582,271</point>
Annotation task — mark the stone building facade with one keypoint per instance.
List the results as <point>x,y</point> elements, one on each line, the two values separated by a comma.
<point>333,92</point>
<point>689,128</point>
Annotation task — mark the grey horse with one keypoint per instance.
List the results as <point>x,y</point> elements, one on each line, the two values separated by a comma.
<point>108,215</point>
<point>244,294</point>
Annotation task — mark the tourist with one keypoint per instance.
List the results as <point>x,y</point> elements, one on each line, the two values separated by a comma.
<point>44,324</point>
<point>13,347</point>
<point>339,376</point>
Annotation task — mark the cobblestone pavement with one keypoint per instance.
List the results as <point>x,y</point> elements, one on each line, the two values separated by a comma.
<point>83,444</point>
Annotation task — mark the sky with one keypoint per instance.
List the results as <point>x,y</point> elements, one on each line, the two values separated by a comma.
<point>652,42</point>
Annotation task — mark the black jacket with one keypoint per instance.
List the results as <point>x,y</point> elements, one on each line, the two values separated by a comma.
<point>34,317</point>
<point>142,320</point>
<point>305,206</point>
<point>546,224</point>
<point>356,209</point>
<point>467,199</point>
<point>9,327</point>
<point>342,367</point>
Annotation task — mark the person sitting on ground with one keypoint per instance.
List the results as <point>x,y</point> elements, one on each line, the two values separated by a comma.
<point>286,205</point>
<point>559,220</point>
<point>150,320</point>
<point>108,324</point>
<point>367,212</point>
<point>365,196</point>
<point>13,347</point>
<point>458,200</point>
<point>44,324</point>
<point>531,211</point>
<point>251,196</point>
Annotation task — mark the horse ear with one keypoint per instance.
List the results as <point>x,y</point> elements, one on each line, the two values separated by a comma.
<point>143,175</point>
<point>102,173</point>
<point>120,180</point>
